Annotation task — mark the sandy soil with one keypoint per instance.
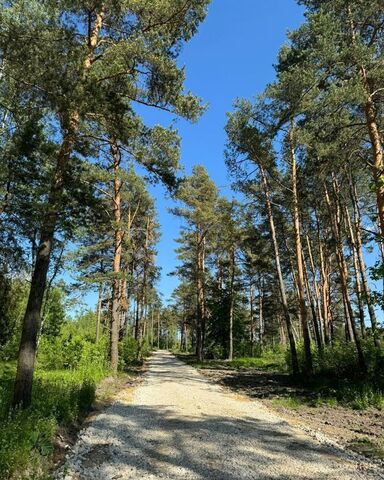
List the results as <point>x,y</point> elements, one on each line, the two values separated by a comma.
<point>179,425</point>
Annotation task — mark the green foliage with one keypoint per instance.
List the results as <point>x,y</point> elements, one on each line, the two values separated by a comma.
<point>339,361</point>
<point>54,312</point>
<point>273,360</point>
<point>337,376</point>
<point>268,360</point>
<point>72,350</point>
<point>13,298</point>
<point>132,352</point>
<point>59,398</point>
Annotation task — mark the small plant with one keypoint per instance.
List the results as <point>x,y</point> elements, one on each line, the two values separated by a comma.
<point>291,402</point>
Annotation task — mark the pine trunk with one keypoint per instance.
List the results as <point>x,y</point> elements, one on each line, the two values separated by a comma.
<point>361,263</point>
<point>231,302</point>
<point>22,395</point>
<point>32,318</point>
<point>299,262</point>
<point>252,326</point>
<point>316,291</point>
<point>118,240</point>
<point>356,272</point>
<point>200,274</point>
<point>334,212</point>
<point>98,314</point>
<point>287,318</point>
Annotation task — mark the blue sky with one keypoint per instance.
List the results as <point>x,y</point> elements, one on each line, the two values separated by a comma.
<point>231,56</point>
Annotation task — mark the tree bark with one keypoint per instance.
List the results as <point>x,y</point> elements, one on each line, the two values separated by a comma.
<point>252,326</point>
<point>377,164</point>
<point>316,290</point>
<point>287,318</point>
<point>361,263</point>
<point>200,279</point>
<point>356,271</point>
<point>315,320</point>
<point>261,313</point>
<point>118,245</point>
<point>32,318</point>
<point>299,261</point>
<point>98,314</point>
<point>343,271</point>
<point>231,302</point>
<point>324,285</point>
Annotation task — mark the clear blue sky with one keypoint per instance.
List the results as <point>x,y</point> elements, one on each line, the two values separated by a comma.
<point>231,56</point>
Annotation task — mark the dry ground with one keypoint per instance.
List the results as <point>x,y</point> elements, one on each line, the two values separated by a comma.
<point>179,425</point>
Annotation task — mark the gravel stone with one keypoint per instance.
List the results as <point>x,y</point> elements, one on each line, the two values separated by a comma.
<point>180,426</point>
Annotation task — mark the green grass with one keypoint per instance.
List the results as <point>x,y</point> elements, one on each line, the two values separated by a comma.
<point>268,362</point>
<point>355,395</point>
<point>291,402</point>
<point>59,398</point>
<point>324,389</point>
<point>372,448</point>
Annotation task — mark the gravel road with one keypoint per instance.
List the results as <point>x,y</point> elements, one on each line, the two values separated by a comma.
<point>179,425</point>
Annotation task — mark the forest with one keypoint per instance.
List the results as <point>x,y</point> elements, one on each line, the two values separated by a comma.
<point>284,274</point>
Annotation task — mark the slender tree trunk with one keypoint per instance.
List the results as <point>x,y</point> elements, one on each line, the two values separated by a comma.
<point>312,304</point>
<point>231,302</point>
<point>316,290</point>
<point>356,271</point>
<point>324,285</point>
<point>118,245</point>
<point>261,313</point>
<point>143,299</point>
<point>32,319</point>
<point>98,314</point>
<point>299,261</point>
<point>361,263</point>
<point>158,330</point>
<point>292,343</point>
<point>377,164</point>
<point>252,326</point>
<point>200,278</point>
<point>137,315</point>
<point>182,336</point>
<point>152,330</point>
<point>343,270</point>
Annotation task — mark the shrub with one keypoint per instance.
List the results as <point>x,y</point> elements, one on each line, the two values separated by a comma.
<point>131,352</point>
<point>59,397</point>
<point>71,350</point>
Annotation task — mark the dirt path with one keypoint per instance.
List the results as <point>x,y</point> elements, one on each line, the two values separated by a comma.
<point>179,425</point>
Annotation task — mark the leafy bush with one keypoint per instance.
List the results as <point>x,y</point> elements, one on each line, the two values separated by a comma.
<point>72,350</point>
<point>59,397</point>
<point>131,352</point>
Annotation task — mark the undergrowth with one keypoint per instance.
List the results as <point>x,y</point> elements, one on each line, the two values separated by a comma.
<point>59,398</point>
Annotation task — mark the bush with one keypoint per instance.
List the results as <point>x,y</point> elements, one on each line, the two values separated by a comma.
<point>131,352</point>
<point>59,398</point>
<point>70,350</point>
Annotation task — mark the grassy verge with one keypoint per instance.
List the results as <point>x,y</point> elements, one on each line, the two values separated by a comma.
<point>60,397</point>
<point>267,362</point>
<point>354,393</point>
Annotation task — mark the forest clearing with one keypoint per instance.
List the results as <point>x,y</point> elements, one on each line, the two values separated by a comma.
<point>191,239</point>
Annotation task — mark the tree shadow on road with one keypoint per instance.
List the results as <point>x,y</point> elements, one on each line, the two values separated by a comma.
<point>141,442</point>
